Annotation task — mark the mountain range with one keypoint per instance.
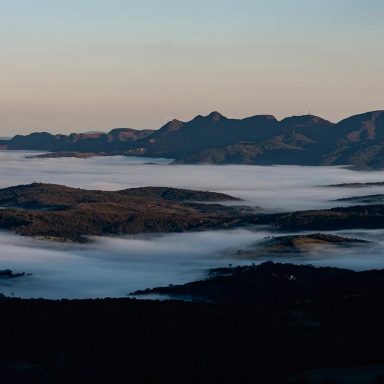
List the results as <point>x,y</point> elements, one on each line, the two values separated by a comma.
<point>262,139</point>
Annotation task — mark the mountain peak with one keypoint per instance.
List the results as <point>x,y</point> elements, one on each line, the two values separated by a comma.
<point>304,120</point>
<point>215,116</point>
<point>260,118</point>
<point>171,126</point>
<point>175,124</point>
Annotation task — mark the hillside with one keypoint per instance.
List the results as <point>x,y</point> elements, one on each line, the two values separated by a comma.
<point>354,217</point>
<point>269,283</point>
<point>300,244</point>
<point>307,140</point>
<point>62,213</point>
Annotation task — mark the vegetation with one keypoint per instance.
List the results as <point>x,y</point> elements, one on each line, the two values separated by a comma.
<point>261,325</point>
<point>360,216</point>
<point>281,245</point>
<point>58,212</point>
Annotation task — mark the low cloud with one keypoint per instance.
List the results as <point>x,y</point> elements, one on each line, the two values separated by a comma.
<point>117,266</point>
<point>272,187</point>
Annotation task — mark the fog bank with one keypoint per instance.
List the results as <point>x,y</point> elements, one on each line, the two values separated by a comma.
<point>272,187</point>
<point>116,266</point>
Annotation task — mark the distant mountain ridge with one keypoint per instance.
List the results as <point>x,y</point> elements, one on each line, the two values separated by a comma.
<point>115,140</point>
<point>262,139</point>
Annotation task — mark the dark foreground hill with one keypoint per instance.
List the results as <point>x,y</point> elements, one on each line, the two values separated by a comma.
<point>262,139</point>
<point>273,324</point>
<point>272,283</point>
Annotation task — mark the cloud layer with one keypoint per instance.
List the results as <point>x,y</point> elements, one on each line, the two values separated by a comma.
<point>117,266</point>
<point>272,187</point>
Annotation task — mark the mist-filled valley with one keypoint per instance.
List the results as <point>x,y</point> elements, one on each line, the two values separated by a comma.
<point>116,266</point>
<point>192,192</point>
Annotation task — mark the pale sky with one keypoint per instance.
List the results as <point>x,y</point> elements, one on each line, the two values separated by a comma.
<point>81,65</point>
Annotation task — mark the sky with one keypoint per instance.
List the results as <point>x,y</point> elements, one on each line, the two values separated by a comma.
<point>84,65</point>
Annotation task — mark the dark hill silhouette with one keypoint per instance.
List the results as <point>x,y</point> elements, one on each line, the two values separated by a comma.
<point>307,140</point>
<point>261,139</point>
<point>115,140</point>
<point>267,324</point>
